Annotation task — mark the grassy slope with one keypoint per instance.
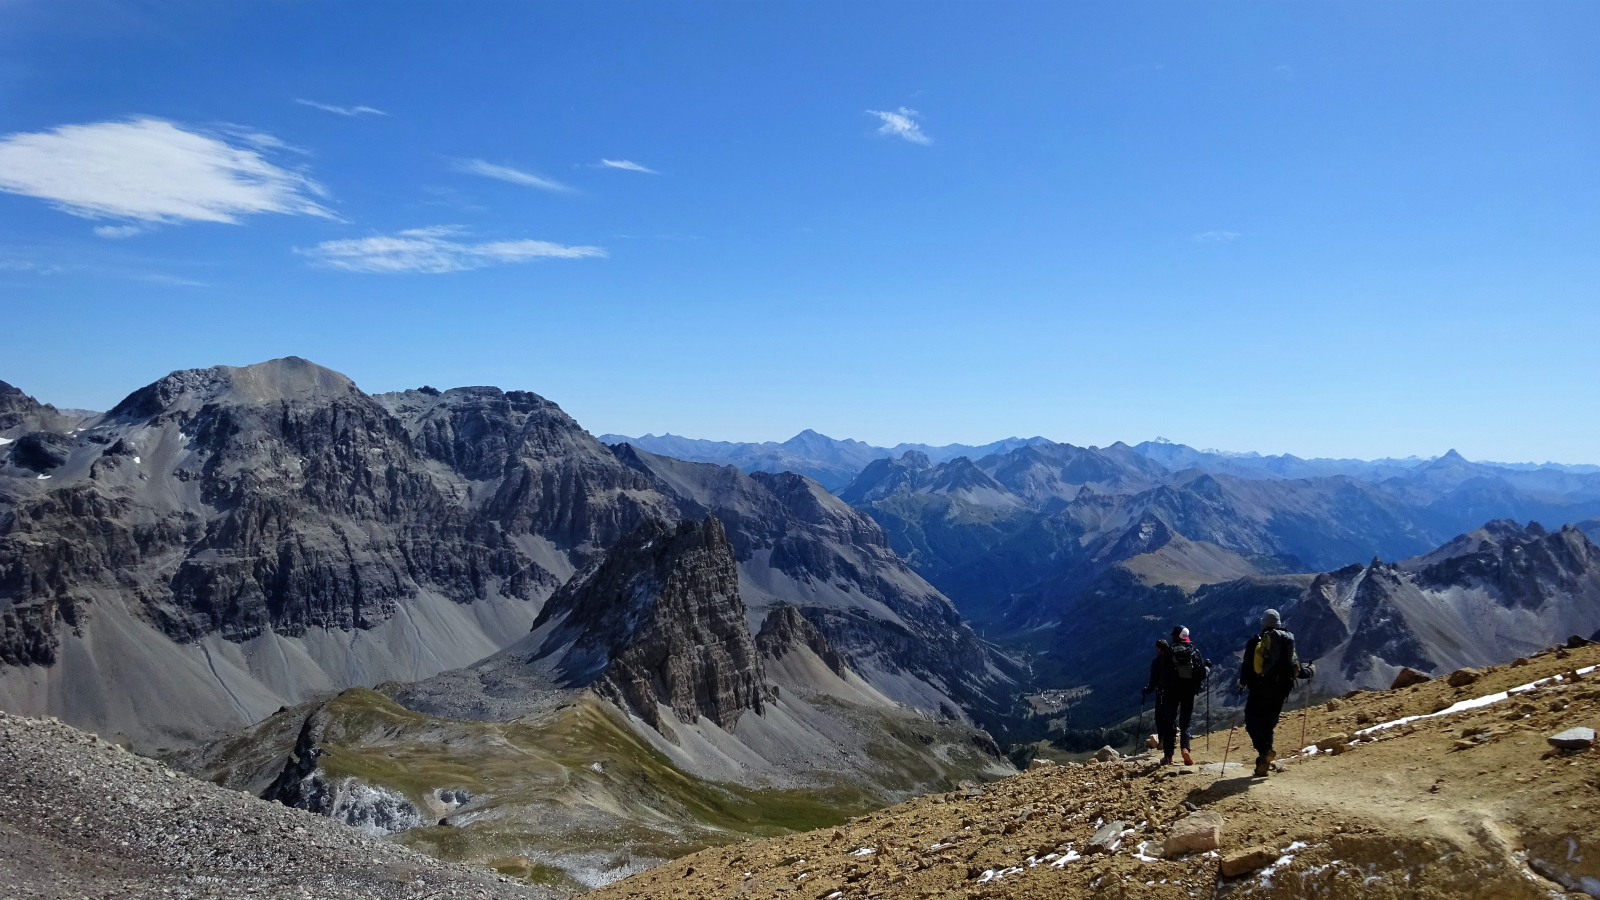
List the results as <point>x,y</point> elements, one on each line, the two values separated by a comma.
<point>561,794</point>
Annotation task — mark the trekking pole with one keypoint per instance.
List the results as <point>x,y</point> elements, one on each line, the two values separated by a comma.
<point>1139,738</point>
<point>1208,715</point>
<point>1305,714</point>
<point>1225,751</point>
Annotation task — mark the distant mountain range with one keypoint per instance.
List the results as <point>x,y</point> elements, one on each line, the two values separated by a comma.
<point>831,463</point>
<point>834,463</point>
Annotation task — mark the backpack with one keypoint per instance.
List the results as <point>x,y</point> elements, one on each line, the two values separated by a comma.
<point>1274,658</point>
<point>1186,663</point>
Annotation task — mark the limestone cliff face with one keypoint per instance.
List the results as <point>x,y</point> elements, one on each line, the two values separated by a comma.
<point>237,500</point>
<point>528,466</point>
<point>659,620</point>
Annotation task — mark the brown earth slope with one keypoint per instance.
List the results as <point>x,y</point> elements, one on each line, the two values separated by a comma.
<point>1469,804</point>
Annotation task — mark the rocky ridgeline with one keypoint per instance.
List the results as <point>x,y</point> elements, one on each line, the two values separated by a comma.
<point>83,818</point>
<point>785,629</point>
<point>245,538</point>
<point>1470,793</point>
<point>659,622</point>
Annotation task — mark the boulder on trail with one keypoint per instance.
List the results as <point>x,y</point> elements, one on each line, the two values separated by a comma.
<point>1194,833</point>
<point>1572,739</point>
<point>1333,742</point>
<point>1408,677</point>
<point>1577,641</point>
<point>1038,763</point>
<point>1152,742</point>
<point>1463,677</point>
<point>1246,861</point>
<point>1107,837</point>
<point>1107,754</point>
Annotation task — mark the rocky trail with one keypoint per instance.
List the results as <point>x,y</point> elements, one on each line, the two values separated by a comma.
<point>82,818</point>
<point>1470,798</point>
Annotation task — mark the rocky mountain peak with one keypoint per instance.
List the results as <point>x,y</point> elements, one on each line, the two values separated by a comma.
<point>658,621</point>
<point>21,414</point>
<point>786,629</point>
<point>1529,566</point>
<point>1147,535</point>
<point>287,380</point>
<point>915,459</point>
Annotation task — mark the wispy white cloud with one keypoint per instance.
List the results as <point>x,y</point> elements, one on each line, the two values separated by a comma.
<point>168,280</point>
<point>120,231</point>
<point>506,173</point>
<point>627,165</point>
<point>901,123</point>
<point>432,251</point>
<point>11,264</point>
<point>151,171</point>
<point>341,110</point>
<point>1215,237</point>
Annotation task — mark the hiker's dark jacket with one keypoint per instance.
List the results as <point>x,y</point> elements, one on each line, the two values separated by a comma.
<point>1275,666</point>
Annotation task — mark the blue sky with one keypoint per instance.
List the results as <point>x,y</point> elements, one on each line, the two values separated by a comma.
<point>1349,229</point>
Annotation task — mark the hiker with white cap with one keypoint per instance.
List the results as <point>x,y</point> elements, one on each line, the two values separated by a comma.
<point>1176,675</point>
<point>1269,671</point>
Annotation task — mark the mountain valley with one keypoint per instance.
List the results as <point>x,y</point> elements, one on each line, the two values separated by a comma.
<point>454,621</point>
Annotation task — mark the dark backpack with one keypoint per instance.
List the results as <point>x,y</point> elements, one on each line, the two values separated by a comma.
<point>1189,668</point>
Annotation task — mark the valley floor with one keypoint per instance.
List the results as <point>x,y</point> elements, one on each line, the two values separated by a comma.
<point>1473,803</point>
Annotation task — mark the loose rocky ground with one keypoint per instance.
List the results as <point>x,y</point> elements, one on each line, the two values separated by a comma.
<point>1468,804</point>
<point>82,818</point>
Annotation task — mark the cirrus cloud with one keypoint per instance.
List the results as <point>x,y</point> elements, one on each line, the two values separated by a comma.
<point>152,171</point>
<point>506,173</point>
<point>901,123</point>
<point>341,110</point>
<point>432,251</point>
<point>1215,237</point>
<point>627,165</point>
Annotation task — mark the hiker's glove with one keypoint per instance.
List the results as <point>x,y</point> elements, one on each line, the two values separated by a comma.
<point>1308,670</point>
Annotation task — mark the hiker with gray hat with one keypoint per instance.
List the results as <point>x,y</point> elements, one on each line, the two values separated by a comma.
<point>1268,673</point>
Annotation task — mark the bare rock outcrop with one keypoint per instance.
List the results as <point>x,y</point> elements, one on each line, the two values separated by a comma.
<point>658,621</point>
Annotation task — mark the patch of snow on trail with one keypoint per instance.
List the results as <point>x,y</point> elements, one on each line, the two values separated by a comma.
<point>1463,706</point>
<point>4,441</point>
<point>1069,856</point>
<point>997,874</point>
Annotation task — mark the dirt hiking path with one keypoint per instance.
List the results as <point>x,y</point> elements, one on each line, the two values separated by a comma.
<point>1474,803</point>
